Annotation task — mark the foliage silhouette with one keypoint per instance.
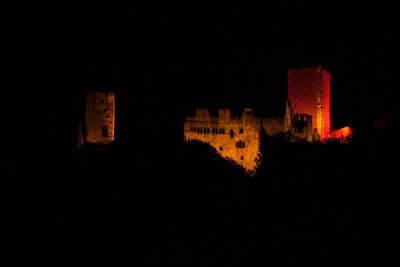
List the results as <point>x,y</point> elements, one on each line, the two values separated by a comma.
<point>185,205</point>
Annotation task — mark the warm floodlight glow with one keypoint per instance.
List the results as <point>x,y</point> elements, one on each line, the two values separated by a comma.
<point>341,133</point>
<point>308,93</point>
<point>307,117</point>
<point>234,138</point>
<point>100,117</point>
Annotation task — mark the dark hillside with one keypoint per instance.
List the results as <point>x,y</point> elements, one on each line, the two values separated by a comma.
<point>314,203</point>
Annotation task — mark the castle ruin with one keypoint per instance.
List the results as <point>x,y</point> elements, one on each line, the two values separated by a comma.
<point>307,117</point>
<point>308,93</point>
<point>233,137</point>
<point>239,138</point>
<point>99,121</point>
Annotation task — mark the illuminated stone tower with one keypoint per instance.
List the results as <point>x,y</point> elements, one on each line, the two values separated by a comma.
<point>99,117</point>
<point>308,93</point>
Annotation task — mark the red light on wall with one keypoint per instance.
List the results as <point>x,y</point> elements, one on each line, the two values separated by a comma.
<point>308,93</point>
<point>341,133</point>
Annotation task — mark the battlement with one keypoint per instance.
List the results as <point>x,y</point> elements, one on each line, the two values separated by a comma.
<point>302,127</point>
<point>224,116</point>
<point>202,114</point>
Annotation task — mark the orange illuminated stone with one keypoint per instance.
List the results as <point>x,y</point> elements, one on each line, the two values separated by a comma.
<point>99,117</point>
<point>234,138</point>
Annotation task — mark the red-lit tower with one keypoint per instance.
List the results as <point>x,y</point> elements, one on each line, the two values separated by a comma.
<point>308,93</point>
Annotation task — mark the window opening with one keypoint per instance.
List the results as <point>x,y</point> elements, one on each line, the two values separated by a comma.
<point>104,131</point>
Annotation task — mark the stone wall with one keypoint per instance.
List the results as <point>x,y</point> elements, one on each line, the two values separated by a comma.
<point>273,126</point>
<point>297,126</point>
<point>302,127</point>
<point>99,117</point>
<point>240,138</point>
<point>308,93</point>
<point>325,101</point>
<point>233,137</point>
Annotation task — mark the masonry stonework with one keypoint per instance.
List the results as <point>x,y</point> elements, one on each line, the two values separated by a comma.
<point>308,93</point>
<point>99,117</point>
<point>233,137</point>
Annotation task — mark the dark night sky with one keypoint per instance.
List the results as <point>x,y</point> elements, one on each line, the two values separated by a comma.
<point>165,62</point>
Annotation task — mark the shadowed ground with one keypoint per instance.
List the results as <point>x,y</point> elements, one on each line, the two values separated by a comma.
<point>186,206</point>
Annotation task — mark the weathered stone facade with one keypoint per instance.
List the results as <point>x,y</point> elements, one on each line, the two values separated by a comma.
<point>301,127</point>
<point>99,117</point>
<point>307,117</point>
<point>308,93</point>
<point>239,138</point>
<point>295,126</point>
<point>233,137</point>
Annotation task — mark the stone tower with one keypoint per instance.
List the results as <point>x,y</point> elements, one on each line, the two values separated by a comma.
<point>99,117</point>
<point>308,93</point>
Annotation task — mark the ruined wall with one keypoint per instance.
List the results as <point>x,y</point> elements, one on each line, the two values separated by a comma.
<point>308,93</point>
<point>99,117</point>
<point>236,138</point>
<point>276,125</point>
<point>325,101</point>
<point>295,125</point>
<point>273,126</point>
<point>302,127</point>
